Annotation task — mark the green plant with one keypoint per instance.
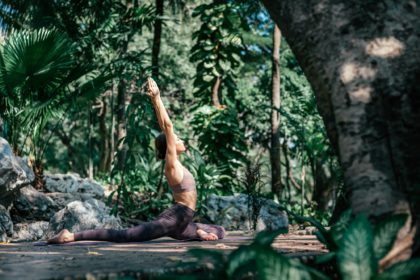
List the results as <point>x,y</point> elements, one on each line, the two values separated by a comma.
<point>220,138</point>
<point>217,48</point>
<point>355,250</point>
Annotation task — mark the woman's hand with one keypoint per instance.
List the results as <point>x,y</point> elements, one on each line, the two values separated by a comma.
<point>152,88</point>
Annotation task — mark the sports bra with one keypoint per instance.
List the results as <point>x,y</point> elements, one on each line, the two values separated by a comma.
<point>187,184</point>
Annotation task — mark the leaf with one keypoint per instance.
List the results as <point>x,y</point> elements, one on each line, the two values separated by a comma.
<point>241,257</point>
<point>355,255</point>
<point>267,237</point>
<point>338,229</point>
<point>385,234</point>
<point>272,265</point>
<point>402,270</point>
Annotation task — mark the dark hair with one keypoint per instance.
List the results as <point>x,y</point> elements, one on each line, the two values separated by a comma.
<point>160,144</point>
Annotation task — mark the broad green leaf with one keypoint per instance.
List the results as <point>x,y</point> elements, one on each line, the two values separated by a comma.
<point>401,270</point>
<point>272,265</point>
<point>355,255</point>
<point>267,237</point>
<point>241,257</point>
<point>385,234</point>
<point>338,229</point>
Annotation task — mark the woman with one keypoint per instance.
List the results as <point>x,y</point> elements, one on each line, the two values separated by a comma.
<point>176,222</point>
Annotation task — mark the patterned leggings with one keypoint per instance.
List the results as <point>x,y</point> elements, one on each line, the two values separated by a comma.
<point>175,222</point>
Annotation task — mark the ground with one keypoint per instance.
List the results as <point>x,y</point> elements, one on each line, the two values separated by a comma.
<point>99,260</point>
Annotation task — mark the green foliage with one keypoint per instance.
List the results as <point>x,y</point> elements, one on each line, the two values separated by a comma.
<point>220,137</point>
<point>385,234</point>
<point>353,257</point>
<point>217,48</point>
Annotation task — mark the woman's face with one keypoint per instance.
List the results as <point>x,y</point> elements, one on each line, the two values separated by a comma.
<point>180,147</point>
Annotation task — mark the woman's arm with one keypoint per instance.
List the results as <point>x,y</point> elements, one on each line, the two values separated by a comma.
<point>164,122</point>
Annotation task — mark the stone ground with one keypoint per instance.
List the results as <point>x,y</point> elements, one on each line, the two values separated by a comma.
<point>100,260</point>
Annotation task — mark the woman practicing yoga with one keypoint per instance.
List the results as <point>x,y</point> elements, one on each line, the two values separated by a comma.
<point>176,222</point>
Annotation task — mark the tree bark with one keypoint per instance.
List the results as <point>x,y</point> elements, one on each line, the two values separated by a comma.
<point>105,153</point>
<point>157,35</point>
<point>121,124</point>
<point>275,148</point>
<point>215,92</point>
<point>362,59</point>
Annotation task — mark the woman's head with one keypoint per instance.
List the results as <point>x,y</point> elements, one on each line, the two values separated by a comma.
<point>161,146</point>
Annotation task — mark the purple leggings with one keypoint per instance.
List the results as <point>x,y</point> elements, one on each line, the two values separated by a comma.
<point>175,222</point>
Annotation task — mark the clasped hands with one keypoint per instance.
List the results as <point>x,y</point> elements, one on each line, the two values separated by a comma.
<point>152,88</point>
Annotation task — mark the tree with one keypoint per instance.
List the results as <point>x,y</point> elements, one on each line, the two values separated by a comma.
<point>362,59</point>
<point>275,116</point>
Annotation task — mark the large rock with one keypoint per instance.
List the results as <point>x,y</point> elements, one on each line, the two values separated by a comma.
<point>30,231</point>
<point>62,199</point>
<point>6,225</point>
<point>31,204</point>
<point>14,174</point>
<point>78,216</point>
<point>233,213</point>
<point>72,183</point>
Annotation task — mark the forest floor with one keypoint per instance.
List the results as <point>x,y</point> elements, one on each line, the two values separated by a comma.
<point>105,260</point>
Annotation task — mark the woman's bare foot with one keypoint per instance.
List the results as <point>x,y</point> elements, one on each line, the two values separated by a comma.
<point>206,236</point>
<point>63,236</point>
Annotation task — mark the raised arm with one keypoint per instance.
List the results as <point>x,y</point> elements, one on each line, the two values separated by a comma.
<point>164,121</point>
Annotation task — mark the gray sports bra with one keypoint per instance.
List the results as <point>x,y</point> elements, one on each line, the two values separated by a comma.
<point>187,184</point>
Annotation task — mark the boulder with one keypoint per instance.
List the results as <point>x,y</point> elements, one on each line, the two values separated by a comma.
<point>62,199</point>
<point>235,213</point>
<point>30,231</point>
<point>6,225</point>
<point>72,183</point>
<point>14,174</point>
<point>78,216</point>
<point>31,204</point>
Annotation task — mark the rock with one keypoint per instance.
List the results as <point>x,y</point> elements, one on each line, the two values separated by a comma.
<point>232,212</point>
<point>78,216</point>
<point>6,225</point>
<point>30,231</point>
<point>31,204</point>
<point>62,199</point>
<point>72,183</point>
<point>14,174</point>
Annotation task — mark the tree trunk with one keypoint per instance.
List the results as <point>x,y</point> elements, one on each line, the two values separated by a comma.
<point>363,60</point>
<point>156,38</point>
<point>215,92</point>
<point>275,148</point>
<point>105,156</point>
<point>121,124</point>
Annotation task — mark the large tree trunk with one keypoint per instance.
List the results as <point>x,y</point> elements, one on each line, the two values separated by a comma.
<point>363,60</point>
<point>157,34</point>
<point>276,186</point>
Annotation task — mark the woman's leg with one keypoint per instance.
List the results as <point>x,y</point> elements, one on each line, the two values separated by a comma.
<point>174,219</point>
<point>190,232</point>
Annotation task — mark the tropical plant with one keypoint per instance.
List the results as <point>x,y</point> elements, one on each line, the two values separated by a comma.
<point>355,250</point>
<point>220,138</point>
<point>39,79</point>
<point>217,51</point>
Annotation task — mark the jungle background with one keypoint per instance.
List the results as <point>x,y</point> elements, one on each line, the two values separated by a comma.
<point>87,112</point>
<point>72,79</point>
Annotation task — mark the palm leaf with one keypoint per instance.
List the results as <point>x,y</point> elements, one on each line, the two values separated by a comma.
<point>36,61</point>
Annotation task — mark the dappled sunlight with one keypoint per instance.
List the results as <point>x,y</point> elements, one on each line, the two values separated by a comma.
<point>30,253</point>
<point>362,94</point>
<point>351,71</point>
<point>388,47</point>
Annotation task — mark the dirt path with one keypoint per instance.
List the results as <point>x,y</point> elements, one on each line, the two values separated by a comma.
<point>93,260</point>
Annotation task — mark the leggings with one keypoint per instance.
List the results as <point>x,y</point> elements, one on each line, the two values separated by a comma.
<point>175,222</point>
